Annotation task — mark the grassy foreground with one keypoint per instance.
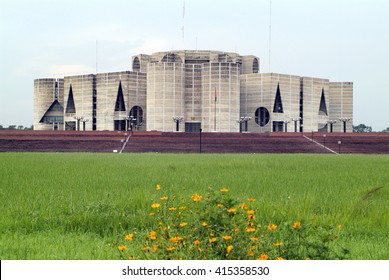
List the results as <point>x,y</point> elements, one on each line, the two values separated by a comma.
<point>80,206</point>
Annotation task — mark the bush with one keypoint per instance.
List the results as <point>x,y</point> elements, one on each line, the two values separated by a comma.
<point>215,226</point>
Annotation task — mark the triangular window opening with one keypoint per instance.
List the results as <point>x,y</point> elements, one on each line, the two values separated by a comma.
<point>278,102</point>
<point>323,106</point>
<point>70,108</point>
<point>120,106</point>
<point>54,114</point>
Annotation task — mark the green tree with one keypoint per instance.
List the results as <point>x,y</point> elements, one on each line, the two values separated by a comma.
<point>386,130</point>
<point>362,128</point>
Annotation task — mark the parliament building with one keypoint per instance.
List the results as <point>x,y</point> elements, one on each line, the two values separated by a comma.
<point>191,90</point>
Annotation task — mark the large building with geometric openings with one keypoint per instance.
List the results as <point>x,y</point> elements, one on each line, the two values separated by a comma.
<point>188,90</point>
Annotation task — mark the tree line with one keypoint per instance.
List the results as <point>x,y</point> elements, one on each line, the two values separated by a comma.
<point>360,128</point>
<point>16,127</point>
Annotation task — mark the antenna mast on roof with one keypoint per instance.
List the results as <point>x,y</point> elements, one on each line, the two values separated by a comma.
<point>269,36</point>
<point>96,56</point>
<point>183,24</point>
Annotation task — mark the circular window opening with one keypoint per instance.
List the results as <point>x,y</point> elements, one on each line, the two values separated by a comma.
<point>262,116</point>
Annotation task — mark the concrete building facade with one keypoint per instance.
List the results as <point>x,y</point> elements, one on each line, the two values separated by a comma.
<point>188,90</point>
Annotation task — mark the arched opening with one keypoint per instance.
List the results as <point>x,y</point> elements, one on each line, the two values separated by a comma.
<point>171,57</point>
<point>255,65</point>
<point>135,118</point>
<point>136,65</point>
<point>262,116</point>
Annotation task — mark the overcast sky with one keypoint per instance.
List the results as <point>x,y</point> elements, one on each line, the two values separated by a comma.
<point>341,40</point>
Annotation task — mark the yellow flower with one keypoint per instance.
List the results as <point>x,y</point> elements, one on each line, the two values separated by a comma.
<point>175,239</point>
<point>152,214</point>
<point>250,199</point>
<point>250,253</point>
<point>153,235</point>
<point>172,209</point>
<point>196,197</point>
<point>196,242</point>
<point>170,249</point>
<point>251,217</point>
<point>339,227</point>
<point>296,225</point>
<point>182,208</point>
<point>280,259</point>
<point>219,205</point>
<point>183,224</point>
<point>155,247</point>
<point>229,249</point>
<point>250,229</point>
<point>236,230</point>
<point>157,187</point>
<point>272,227</point>
<point>231,210</point>
<point>226,237</point>
<point>212,240</point>
<point>204,224</point>
<point>250,212</point>
<point>164,198</point>
<point>254,238</point>
<point>243,206</point>
<point>263,257</point>
<point>128,236</point>
<point>223,190</point>
<point>155,205</point>
<point>121,248</point>
<point>278,243</point>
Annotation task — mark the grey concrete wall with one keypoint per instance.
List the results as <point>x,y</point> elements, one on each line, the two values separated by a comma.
<point>341,104</point>
<point>312,90</point>
<point>222,80</point>
<point>165,95</point>
<point>44,96</point>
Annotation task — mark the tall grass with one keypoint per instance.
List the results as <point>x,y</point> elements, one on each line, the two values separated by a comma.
<point>77,206</point>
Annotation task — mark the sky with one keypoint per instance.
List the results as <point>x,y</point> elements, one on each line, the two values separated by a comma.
<point>340,40</point>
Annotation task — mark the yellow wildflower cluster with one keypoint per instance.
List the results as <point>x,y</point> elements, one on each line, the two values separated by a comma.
<point>210,228</point>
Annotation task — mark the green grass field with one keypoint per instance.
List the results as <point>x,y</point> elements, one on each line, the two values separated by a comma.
<point>79,206</point>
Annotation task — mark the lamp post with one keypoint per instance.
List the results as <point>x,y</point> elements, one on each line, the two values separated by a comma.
<point>127,119</point>
<point>244,120</point>
<point>132,121</point>
<point>78,118</point>
<point>295,120</point>
<point>178,120</point>
<point>339,143</point>
<point>83,123</point>
<point>201,130</point>
<point>240,121</point>
<point>344,120</point>
<point>331,122</point>
<point>286,125</point>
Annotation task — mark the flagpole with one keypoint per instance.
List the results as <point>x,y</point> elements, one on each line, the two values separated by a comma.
<point>215,111</point>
